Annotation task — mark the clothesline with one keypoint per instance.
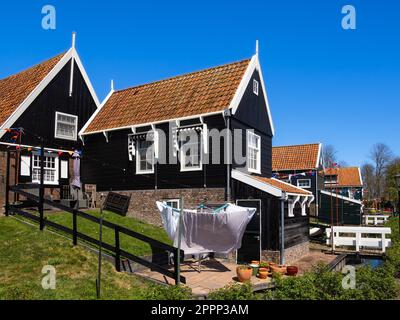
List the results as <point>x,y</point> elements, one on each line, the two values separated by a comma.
<point>202,206</point>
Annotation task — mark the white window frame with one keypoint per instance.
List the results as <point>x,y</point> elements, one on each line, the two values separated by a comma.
<point>138,170</point>
<point>177,201</point>
<point>304,187</point>
<point>256,87</point>
<point>199,167</point>
<point>330,181</point>
<point>257,170</point>
<point>75,138</point>
<point>37,167</point>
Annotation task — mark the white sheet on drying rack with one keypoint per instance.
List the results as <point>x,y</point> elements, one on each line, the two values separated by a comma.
<point>205,232</point>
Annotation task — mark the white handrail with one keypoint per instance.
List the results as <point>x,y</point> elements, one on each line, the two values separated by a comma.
<point>375,219</point>
<point>359,237</point>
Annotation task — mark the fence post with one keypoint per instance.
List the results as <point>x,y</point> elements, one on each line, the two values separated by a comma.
<point>358,241</point>
<point>41,189</point>
<point>7,205</point>
<point>176,266</point>
<point>117,250</point>
<point>74,228</point>
<point>383,242</point>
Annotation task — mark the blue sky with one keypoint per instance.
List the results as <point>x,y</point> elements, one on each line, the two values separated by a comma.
<point>325,84</point>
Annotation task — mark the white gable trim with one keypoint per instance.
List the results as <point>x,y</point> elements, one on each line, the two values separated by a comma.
<point>340,197</point>
<point>80,134</point>
<point>43,84</point>
<point>319,156</point>
<point>247,179</point>
<point>253,65</point>
<point>85,77</point>
<point>361,180</point>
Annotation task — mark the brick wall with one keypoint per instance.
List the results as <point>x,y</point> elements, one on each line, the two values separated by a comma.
<point>3,172</point>
<point>292,254</point>
<point>143,202</point>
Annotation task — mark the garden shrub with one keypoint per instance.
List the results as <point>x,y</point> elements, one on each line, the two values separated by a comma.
<point>322,284</point>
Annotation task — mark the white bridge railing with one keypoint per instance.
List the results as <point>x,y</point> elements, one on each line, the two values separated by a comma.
<point>375,219</point>
<point>368,237</point>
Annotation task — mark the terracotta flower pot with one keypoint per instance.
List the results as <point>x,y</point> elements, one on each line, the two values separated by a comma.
<point>278,269</point>
<point>263,273</point>
<point>244,273</point>
<point>292,270</point>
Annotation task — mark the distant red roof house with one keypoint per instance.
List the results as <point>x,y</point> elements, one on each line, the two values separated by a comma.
<point>296,157</point>
<point>343,177</point>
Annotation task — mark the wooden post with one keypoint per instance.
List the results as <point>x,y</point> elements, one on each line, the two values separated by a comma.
<point>358,240</point>
<point>41,189</point>
<point>383,242</point>
<point>75,228</point>
<point>74,220</point>
<point>117,250</point>
<point>98,280</point>
<point>7,204</point>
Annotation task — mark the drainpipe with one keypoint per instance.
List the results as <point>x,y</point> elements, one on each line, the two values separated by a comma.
<point>282,242</point>
<point>227,115</point>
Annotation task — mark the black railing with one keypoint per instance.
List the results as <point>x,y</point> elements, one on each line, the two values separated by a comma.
<point>115,249</point>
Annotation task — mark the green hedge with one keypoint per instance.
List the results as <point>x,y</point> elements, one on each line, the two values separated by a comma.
<point>322,284</point>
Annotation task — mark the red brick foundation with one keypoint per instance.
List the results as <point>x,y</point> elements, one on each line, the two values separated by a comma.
<point>143,202</point>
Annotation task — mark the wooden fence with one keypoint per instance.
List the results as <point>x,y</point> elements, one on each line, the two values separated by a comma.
<point>115,249</point>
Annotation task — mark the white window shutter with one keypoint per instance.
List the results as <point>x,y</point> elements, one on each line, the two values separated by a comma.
<point>131,147</point>
<point>156,144</point>
<point>205,138</point>
<point>57,171</point>
<point>64,169</point>
<point>25,166</point>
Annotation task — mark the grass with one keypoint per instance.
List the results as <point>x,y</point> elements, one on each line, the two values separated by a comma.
<point>24,251</point>
<point>127,243</point>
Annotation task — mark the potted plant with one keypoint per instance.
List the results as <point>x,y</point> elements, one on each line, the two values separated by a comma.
<point>264,264</point>
<point>292,270</point>
<point>278,269</point>
<point>244,273</point>
<point>263,273</point>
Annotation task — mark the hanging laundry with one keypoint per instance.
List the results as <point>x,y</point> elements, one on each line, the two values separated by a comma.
<point>206,231</point>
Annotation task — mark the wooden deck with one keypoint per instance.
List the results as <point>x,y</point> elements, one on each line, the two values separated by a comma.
<point>214,274</point>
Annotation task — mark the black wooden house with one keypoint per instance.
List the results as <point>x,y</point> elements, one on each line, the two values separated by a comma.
<point>160,141</point>
<point>47,104</point>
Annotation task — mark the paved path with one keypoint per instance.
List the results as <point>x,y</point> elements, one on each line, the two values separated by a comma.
<point>214,274</point>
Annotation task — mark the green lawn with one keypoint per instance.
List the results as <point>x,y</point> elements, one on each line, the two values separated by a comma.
<point>127,243</point>
<point>24,250</point>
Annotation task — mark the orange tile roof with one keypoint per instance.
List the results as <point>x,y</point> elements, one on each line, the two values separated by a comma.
<point>195,93</point>
<point>16,88</point>
<point>346,177</point>
<point>282,185</point>
<point>297,157</point>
